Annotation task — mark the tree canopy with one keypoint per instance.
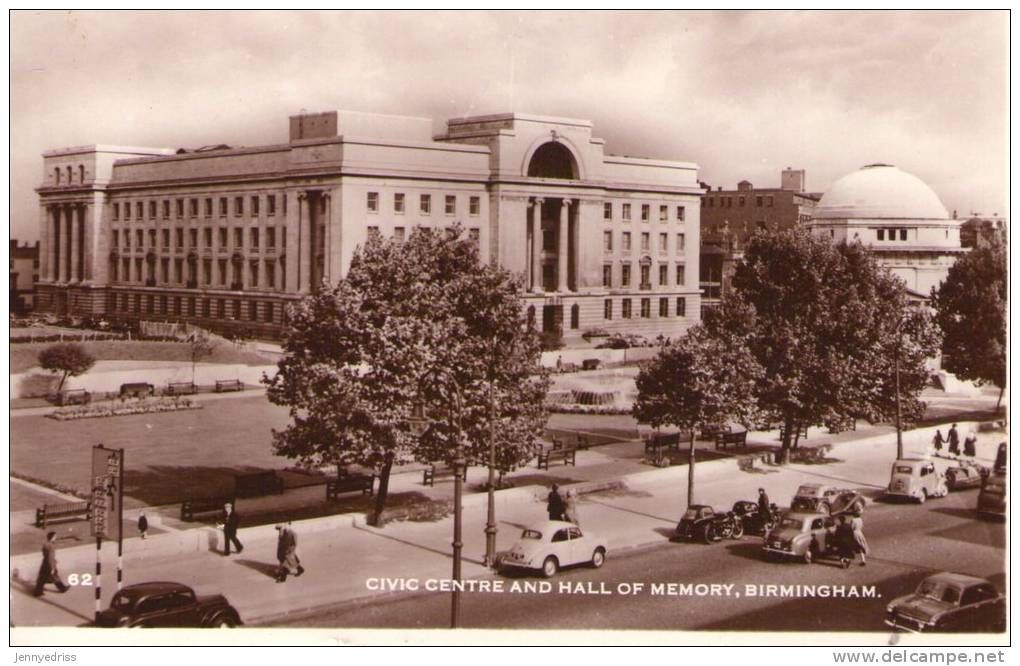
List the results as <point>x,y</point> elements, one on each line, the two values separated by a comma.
<point>970,308</point>
<point>415,322</point>
<point>67,359</point>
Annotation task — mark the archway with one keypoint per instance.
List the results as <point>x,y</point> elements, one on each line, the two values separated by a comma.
<point>553,160</point>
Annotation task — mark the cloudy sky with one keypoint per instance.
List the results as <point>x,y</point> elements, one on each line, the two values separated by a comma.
<point>742,94</point>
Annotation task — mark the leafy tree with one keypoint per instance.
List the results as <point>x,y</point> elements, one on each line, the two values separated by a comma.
<point>200,345</point>
<point>704,378</point>
<point>825,323</point>
<point>971,311</point>
<point>68,359</point>
<point>414,323</point>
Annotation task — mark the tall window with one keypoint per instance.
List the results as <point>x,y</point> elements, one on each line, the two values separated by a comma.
<point>646,308</point>
<point>166,209</point>
<point>372,202</point>
<point>139,210</point>
<point>208,207</point>
<point>663,213</point>
<point>116,238</point>
<point>607,211</point>
<point>680,212</point>
<point>663,307</point>
<point>758,201</point>
<point>193,207</point>
<point>255,206</point>
<point>607,241</point>
<point>271,237</point>
<point>681,275</point>
<point>625,275</point>
<point>223,238</point>
<point>881,234</point>
<point>607,309</point>
<point>646,212</point>
<point>127,210</point>
<point>270,209</point>
<point>152,210</point>
<point>646,280</point>
<point>645,241</point>
<point>903,234</point>
<point>575,316</point>
<point>475,206</point>
<point>398,203</point>
<point>680,242</point>
<point>179,238</point>
<point>116,211</point>
<point>180,208</point>
<point>425,204</point>
<point>451,204</point>
<point>681,307</point>
<point>207,237</point>
<point>663,243</point>
<point>238,206</point>
<point>254,237</point>
<point>626,308</point>
<point>626,241</point>
<point>607,275</point>
<point>663,274</point>
<point>626,212</point>
<point>223,207</point>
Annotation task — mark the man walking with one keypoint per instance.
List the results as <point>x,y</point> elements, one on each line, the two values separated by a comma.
<point>231,521</point>
<point>764,509</point>
<point>286,553</point>
<point>555,504</point>
<point>48,568</point>
<point>954,441</point>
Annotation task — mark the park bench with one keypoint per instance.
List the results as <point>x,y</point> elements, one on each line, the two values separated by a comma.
<point>567,455</point>
<point>74,397</point>
<point>228,385</point>
<point>656,442</point>
<point>49,513</point>
<point>724,439</point>
<point>257,484</point>
<point>799,432</point>
<point>713,430</point>
<point>181,388</point>
<point>193,507</point>
<point>428,477</point>
<point>137,390</point>
<point>583,443</point>
<point>590,364</point>
<point>349,483</point>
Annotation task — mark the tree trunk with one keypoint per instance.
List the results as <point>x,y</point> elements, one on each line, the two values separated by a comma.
<point>690,470</point>
<point>998,402</point>
<point>63,378</point>
<point>384,486</point>
<point>784,452</point>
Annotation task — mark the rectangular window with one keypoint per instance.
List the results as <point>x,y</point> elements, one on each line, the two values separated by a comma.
<point>127,238</point>
<point>663,213</point>
<point>254,270</point>
<point>646,280</point>
<point>116,211</point>
<point>373,232</point>
<point>193,238</point>
<point>903,234</point>
<point>139,210</point>
<point>255,206</point>
<point>372,202</point>
<point>223,207</point>
<point>475,236</point>
<point>207,271</point>
<point>645,241</point>
<point>238,206</point>
<point>152,238</point>
<point>663,243</point>
<point>207,237</point>
<point>681,275</point>
<point>475,206</point>
<point>270,277</point>
<point>180,207</point>
<point>425,204</point>
<point>607,241</point>
<point>223,271</point>
<point>626,308</point>
<point>680,213</point>
<point>663,307</point>
<point>238,238</point>
<point>166,209</point>
<point>768,201</point>
<point>881,234</point>
<point>646,212</point>
<point>741,202</point>
<point>127,210</point>
<point>116,238</point>
<point>271,237</point>
<point>626,212</point>
<point>178,270</point>
<point>680,245</point>
<point>451,204</point>
<point>139,238</point>
<point>626,241</point>
<point>269,313</point>
<point>681,307</point>
<point>193,207</point>
<point>152,210</point>
<point>607,309</point>
<point>757,201</point>
<point>180,238</point>
<point>663,274</point>
<point>607,275</point>
<point>254,237</point>
<point>270,209</point>
<point>607,211</point>
<point>625,275</point>
<point>398,234</point>
<point>223,238</point>
<point>398,203</point>
<point>208,207</point>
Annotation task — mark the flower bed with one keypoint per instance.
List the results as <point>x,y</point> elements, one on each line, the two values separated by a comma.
<point>124,408</point>
<point>573,408</point>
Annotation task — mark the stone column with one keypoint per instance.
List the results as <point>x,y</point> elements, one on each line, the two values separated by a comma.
<point>327,245</point>
<point>536,245</point>
<point>563,246</point>
<point>305,251</point>
<point>77,236</point>
<point>65,243</point>
<point>52,242</point>
<point>290,230</point>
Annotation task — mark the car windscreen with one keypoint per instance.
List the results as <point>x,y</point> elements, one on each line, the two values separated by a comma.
<point>691,514</point>
<point>808,491</point>
<point>531,534</point>
<point>902,469</point>
<point>795,523</point>
<point>931,589</point>
<point>122,601</point>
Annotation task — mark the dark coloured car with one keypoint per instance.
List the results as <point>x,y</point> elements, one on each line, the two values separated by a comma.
<point>701,522</point>
<point>164,604</point>
<point>965,474</point>
<point>949,602</point>
<point>992,498</point>
<point>818,497</point>
<point>753,521</point>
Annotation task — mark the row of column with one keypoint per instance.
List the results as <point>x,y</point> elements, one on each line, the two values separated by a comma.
<point>562,246</point>
<point>307,241</point>
<point>63,255</point>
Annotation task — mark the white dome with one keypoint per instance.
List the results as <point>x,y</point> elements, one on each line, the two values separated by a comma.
<point>880,191</point>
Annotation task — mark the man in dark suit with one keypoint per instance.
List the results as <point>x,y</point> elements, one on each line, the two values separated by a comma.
<point>231,521</point>
<point>48,568</point>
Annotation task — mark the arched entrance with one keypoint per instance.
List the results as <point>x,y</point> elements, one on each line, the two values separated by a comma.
<point>553,160</point>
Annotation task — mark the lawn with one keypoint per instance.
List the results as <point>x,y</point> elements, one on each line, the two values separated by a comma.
<point>25,356</point>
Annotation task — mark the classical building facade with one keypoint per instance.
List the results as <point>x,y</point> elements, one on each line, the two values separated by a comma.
<point>227,237</point>
<point>24,273</point>
<point>899,218</point>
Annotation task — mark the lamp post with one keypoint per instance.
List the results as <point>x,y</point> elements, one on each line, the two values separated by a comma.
<point>899,414</point>
<point>490,519</point>
<point>419,424</point>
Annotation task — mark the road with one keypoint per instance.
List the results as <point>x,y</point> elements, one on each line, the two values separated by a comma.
<point>907,541</point>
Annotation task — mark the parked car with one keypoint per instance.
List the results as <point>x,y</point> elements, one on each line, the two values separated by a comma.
<point>701,522</point>
<point>799,534</point>
<point>165,604</point>
<point>916,478</point>
<point>965,474</point>
<point>949,602</point>
<point>752,520</point>
<point>818,497</point>
<point>992,498</point>
<point>551,545</point>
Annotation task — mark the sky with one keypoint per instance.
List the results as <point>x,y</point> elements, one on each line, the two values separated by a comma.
<point>742,94</point>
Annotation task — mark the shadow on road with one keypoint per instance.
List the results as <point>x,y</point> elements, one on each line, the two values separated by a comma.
<point>28,589</point>
<point>636,513</point>
<point>417,545</point>
<point>264,568</point>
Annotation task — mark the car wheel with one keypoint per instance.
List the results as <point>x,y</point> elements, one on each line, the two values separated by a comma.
<point>223,621</point>
<point>550,567</point>
<point>808,556</point>
<point>738,529</point>
<point>923,496</point>
<point>598,558</point>
<point>708,534</point>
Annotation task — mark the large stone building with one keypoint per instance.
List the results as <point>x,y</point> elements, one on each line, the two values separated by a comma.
<point>24,273</point>
<point>730,217</point>
<point>227,237</point>
<point>899,218</point>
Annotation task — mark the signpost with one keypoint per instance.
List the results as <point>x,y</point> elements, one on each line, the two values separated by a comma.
<point>107,509</point>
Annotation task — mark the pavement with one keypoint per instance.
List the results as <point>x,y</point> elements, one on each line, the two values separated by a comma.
<point>633,505</point>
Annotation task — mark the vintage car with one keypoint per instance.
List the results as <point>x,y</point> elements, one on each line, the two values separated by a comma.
<point>701,522</point>
<point>816,497</point>
<point>551,545</point>
<point>949,602</point>
<point>916,478</point>
<point>164,604</point>
<point>799,534</point>
<point>751,519</point>
<point>965,474</point>
<point>992,498</point>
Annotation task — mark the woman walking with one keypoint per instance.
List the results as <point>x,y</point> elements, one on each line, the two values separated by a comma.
<point>570,510</point>
<point>857,523</point>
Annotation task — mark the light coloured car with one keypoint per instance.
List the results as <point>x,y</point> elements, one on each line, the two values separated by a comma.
<point>800,535</point>
<point>917,479</point>
<point>551,545</point>
<point>950,602</point>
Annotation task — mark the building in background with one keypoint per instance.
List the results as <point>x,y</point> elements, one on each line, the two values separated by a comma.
<point>730,217</point>
<point>24,272</point>
<point>899,218</point>
<point>227,237</point>
<point>979,230</point>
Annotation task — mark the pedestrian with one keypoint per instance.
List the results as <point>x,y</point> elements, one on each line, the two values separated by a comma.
<point>764,508</point>
<point>48,567</point>
<point>559,364</point>
<point>954,441</point>
<point>143,524</point>
<point>554,504</point>
<point>570,508</point>
<point>970,445</point>
<point>230,522</point>
<point>860,543</point>
<point>937,441</point>
<point>844,541</point>
<point>286,553</point>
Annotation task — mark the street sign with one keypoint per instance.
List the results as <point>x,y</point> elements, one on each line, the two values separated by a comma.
<point>107,470</point>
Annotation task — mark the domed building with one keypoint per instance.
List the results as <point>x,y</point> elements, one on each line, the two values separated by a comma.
<point>899,217</point>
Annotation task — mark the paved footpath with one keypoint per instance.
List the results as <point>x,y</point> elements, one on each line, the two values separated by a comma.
<point>345,559</point>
